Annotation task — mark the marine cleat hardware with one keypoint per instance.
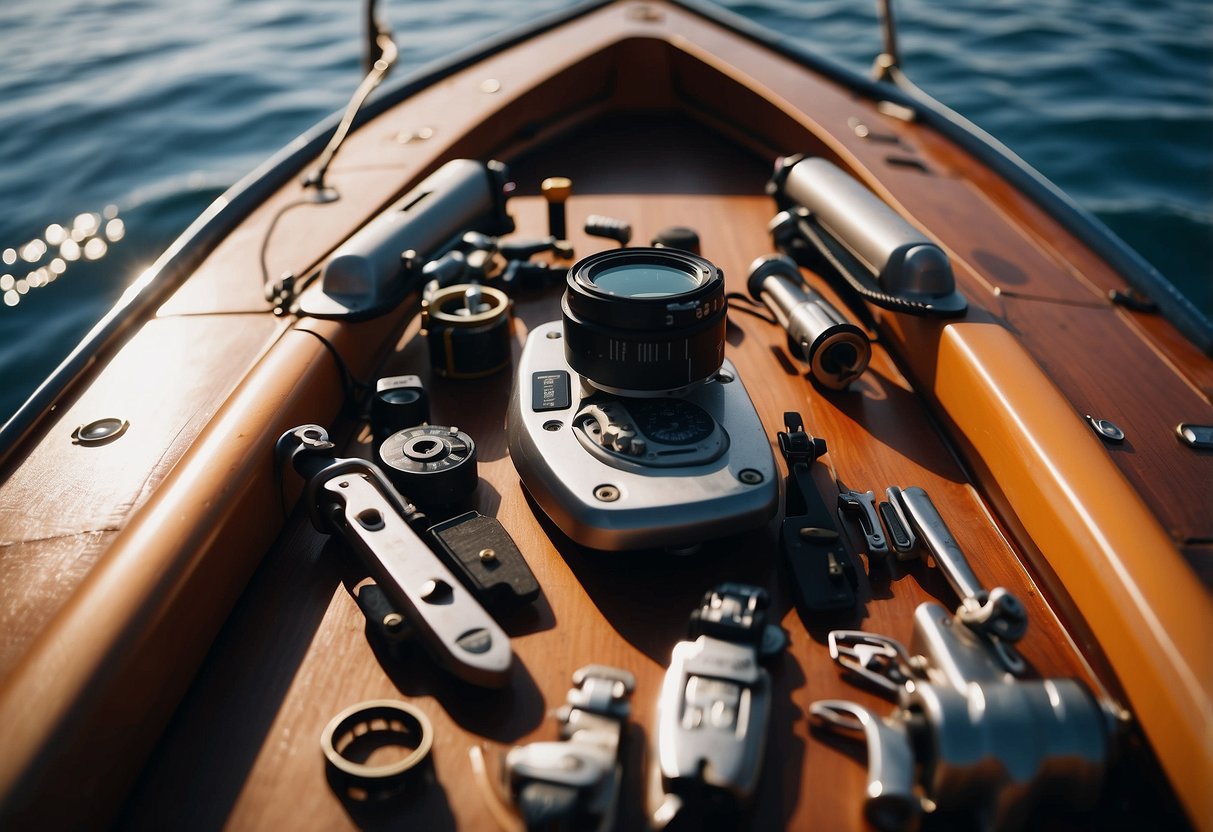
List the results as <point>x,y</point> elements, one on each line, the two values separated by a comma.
<point>966,735</point>
<point>574,784</point>
<point>353,498</point>
<point>714,707</point>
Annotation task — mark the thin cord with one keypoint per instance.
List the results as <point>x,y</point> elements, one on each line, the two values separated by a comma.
<point>751,307</point>
<point>351,387</point>
<point>270,286</point>
<point>387,56</point>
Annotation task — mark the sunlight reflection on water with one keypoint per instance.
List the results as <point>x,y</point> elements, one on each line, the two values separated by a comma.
<point>47,257</point>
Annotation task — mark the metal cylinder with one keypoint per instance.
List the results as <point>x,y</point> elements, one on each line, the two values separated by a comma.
<point>836,350</point>
<point>904,262</point>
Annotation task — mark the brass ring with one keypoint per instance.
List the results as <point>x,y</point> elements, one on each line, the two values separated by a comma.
<point>365,714</point>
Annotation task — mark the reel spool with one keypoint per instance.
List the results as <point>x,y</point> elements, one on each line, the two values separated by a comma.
<point>431,465</point>
<point>467,327</point>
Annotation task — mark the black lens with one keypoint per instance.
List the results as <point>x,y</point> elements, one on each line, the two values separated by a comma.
<point>644,320</point>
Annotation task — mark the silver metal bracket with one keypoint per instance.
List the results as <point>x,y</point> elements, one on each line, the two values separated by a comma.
<point>715,703</point>
<point>996,615</point>
<point>862,506</point>
<point>458,632</point>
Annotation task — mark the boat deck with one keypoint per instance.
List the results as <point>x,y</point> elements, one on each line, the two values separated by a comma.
<point>116,582</point>
<point>244,748</point>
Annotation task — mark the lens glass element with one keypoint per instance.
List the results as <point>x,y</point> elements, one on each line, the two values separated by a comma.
<point>400,395</point>
<point>644,281</point>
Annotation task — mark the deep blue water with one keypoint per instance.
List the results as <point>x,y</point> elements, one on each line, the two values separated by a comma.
<point>120,121</point>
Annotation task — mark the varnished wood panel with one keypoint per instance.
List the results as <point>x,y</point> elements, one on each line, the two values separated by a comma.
<point>88,698</point>
<point>1125,388</point>
<point>62,501</point>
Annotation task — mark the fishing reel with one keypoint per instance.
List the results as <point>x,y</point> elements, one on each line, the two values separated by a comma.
<point>627,424</point>
<point>967,733</point>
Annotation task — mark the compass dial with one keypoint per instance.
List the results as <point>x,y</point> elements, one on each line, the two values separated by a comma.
<point>672,421</point>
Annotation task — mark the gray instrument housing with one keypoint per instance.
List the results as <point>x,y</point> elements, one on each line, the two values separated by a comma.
<point>671,507</point>
<point>366,271</point>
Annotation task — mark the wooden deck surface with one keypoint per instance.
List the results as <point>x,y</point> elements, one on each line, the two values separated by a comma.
<point>244,748</point>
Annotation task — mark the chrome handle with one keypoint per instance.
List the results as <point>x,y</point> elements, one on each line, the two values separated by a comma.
<point>891,802</point>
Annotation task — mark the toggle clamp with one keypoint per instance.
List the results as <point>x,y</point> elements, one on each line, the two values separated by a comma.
<point>823,575</point>
<point>354,499</point>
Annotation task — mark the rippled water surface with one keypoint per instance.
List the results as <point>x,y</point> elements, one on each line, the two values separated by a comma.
<point>120,121</point>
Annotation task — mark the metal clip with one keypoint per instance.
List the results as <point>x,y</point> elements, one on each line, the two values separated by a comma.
<point>862,506</point>
<point>901,536</point>
<point>715,703</point>
<point>892,803</point>
<point>574,784</point>
<point>996,615</point>
<point>878,659</point>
